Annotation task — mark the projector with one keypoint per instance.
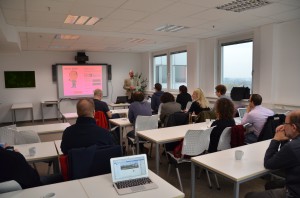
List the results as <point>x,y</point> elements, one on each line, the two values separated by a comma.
<point>81,58</point>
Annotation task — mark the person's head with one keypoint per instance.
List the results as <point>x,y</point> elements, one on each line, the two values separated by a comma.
<point>292,124</point>
<point>85,108</point>
<point>183,89</point>
<point>198,96</point>
<point>157,86</point>
<point>98,94</point>
<point>255,100</point>
<point>138,96</point>
<point>131,73</point>
<point>224,109</point>
<point>73,75</point>
<point>220,90</point>
<point>167,97</point>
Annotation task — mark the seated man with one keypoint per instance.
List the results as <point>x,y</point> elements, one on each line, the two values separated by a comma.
<point>155,99</point>
<point>138,107</point>
<point>256,115</point>
<point>221,91</point>
<point>100,105</point>
<point>286,158</point>
<point>14,166</point>
<point>85,132</point>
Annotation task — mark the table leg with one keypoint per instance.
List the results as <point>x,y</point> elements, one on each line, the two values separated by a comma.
<point>32,115</point>
<point>137,144</point>
<point>12,117</point>
<point>236,190</point>
<point>56,166</point>
<point>121,135</point>
<point>15,119</point>
<point>193,180</point>
<point>42,109</point>
<point>157,158</point>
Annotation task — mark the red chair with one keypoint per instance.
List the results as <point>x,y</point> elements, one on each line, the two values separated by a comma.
<point>101,120</point>
<point>64,168</point>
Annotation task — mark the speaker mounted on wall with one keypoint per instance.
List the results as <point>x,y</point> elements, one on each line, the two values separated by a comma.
<point>54,73</point>
<point>109,72</point>
<point>81,58</point>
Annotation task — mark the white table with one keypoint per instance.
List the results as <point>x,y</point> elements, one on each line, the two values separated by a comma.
<point>113,105</point>
<point>238,171</point>
<point>49,103</point>
<point>44,151</point>
<point>64,189</point>
<point>19,106</point>
<point>54,129</point>
<point>67,116</point>
<point>57,144</point>
<point>101,186</point>
<point>168,134</point>
<point>122,123</point>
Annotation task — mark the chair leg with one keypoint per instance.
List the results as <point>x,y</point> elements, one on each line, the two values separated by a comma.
<point>132,148</point>
<point>208,178</point>
<point>217,182</point>
<point>49,167</point>
<point>179,179</point>
<point>169,169</point>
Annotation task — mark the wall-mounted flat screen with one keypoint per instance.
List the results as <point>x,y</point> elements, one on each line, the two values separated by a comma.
<point>77,81</point>
<point>19,79</point>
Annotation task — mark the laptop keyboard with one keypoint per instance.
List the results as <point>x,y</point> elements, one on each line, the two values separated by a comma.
<point>133,182</point>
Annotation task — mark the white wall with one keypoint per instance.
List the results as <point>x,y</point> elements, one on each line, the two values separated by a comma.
<point>45,89</point>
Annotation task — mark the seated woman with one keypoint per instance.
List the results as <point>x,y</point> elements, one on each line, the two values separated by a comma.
<point>183,97</point>
<point>224,111</point>
<point>200,103</point>
<point>168,107</point>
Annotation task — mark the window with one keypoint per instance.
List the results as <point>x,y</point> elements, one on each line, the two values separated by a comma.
<point>173,63</point>
<point>236,64</point>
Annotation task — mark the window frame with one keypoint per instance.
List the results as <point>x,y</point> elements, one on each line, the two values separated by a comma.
<point>249,37</point>
<point>168,53</point>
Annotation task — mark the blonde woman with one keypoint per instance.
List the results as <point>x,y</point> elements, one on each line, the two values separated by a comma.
<point>200,103</point>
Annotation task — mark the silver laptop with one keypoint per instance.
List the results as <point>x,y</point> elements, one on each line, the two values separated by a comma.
<point>121,99</point>
<point>242,112</point>
<point>130,174</point>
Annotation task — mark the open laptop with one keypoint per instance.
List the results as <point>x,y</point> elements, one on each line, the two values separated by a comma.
<point>121,99</point>
<point>130,174</point>
<point>242,112</point>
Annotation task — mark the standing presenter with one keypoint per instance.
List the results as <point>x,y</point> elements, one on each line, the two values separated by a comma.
<point>131,85</point>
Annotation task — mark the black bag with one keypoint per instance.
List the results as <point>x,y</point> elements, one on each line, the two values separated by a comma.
<point>239,93</point>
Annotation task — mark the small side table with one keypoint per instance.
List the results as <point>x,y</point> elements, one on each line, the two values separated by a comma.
<point>45,103</point>
<point>19,106</point>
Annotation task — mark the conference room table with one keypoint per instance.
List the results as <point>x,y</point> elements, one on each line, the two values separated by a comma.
<point>114,105</point>
<point>251,165</point>
<point>67,116</point>
<point>69,189</point>
<point>55,129</point>
<point>20,106</point>
<point>45,151</point>
<point>122,123</point>
<point>94,187</point>
<point>166,135</point>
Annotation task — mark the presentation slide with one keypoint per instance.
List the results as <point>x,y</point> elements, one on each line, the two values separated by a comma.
<point>77,81</point>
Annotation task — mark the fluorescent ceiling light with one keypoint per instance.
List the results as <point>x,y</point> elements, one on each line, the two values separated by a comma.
<point>240,6</point>
<point>66,36</point>
<point>92,21</point>
<point>170,28</point>
<point>71,19</point>
<point>82,20</point>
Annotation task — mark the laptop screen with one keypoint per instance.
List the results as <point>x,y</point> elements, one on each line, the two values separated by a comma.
<point>242,112</point>
<point>121,99</point>
<point>129,167</point>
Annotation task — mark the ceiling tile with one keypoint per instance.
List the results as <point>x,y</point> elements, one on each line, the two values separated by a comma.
<point>14,14</point>
<point>128,15</point>
<point>146,5</point>
<point>181,10</point>
<point>270,10</point>
<point>13,4</point>
<point>83,9</point>
<point>49,6</point>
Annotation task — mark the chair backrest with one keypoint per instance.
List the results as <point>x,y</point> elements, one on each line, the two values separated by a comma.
<point>177,119</point>
<point>27,137</point>
<point>237,136</point>
<point>159,109</point>
<point>225,139</point>
<point>91,161</point>
<point>101,120</point>
<point>268,130</point>
<point>7,134</point>
<point>203,115</point>
<point>146,122</point>
<point>9,186</point>
<point>196,142</point>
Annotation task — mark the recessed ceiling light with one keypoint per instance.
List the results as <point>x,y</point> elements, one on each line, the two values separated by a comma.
<point>81,20</point>
<point>239,6</point>
<point>67,36</point>
<point>71,19</point>
<point>170,28</point>
<point>93,21</point>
